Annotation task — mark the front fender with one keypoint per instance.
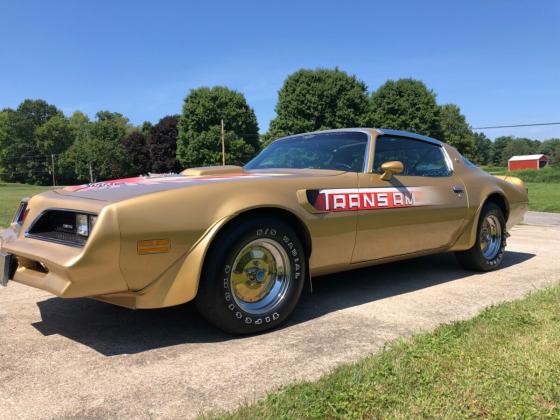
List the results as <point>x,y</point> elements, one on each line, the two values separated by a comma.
<point>176,285</point>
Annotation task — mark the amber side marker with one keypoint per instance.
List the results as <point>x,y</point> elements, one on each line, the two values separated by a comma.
<point>153,246</point>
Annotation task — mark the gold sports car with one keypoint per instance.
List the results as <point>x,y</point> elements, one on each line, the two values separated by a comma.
<point>242,241</point>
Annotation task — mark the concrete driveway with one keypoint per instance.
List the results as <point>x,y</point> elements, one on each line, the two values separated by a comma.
<point>81,358</point>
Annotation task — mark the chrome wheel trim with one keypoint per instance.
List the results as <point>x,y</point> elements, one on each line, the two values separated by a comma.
<point>260,276</point>
<point>490,237</point>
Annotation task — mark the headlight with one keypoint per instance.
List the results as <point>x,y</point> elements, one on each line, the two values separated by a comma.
<point>82,225</point>
<point>85,224</point>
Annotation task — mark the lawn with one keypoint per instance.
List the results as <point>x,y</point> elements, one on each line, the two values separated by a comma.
<point>504,363</point>
<point>10,196</point>
<point>544,196</point>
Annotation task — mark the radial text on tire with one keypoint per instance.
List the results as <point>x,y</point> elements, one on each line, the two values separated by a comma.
<point>253,276</point>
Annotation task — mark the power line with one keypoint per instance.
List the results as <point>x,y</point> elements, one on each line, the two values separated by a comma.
<point>516,125</point>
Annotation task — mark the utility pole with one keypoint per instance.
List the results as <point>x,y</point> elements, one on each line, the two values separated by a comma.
<point>90,173</point>
<point>223,146</point>
<point>53,175</point>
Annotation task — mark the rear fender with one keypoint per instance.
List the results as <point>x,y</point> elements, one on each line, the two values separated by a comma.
<point>468,237</point>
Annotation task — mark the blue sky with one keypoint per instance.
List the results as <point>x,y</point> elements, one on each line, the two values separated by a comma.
<point>498,60</point>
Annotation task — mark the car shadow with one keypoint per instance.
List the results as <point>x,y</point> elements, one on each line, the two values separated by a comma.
<point>112,330</point>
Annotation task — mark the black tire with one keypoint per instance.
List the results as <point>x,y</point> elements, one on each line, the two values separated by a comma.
<point>218,298</point>
<point>475,258</point>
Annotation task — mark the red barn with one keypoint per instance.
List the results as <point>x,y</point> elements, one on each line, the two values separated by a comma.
<point>527,162</point>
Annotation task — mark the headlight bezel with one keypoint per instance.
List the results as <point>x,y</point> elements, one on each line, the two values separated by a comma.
<point>65,226</point>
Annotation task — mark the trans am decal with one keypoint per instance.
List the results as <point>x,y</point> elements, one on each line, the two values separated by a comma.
<point>333,200</point>
<point>173,179</point>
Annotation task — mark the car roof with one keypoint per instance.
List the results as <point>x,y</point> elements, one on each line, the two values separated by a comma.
<point>381,131</point>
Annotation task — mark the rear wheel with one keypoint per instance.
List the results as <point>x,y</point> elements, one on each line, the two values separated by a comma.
<point>253,276</point>
<point>488,250</point>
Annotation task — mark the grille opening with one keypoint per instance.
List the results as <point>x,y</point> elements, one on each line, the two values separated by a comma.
<point>58,226</point>
<point>32,265</point>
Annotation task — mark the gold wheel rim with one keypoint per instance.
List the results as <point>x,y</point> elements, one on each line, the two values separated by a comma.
<point>260,276</point>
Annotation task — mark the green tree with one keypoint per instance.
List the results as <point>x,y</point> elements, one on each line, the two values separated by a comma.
<point>500,144</point>
<point>79,124</point>
<point>203,110</point>
<point>54,136</point>
<point>482,152</point>
<point>319,99</point>
<point>146,127</point>
<point>405,104</point>
<point>21,158</point>
<point>98,153</point>
<point>4,129</point>
<point>517,146</point>
<point>205,149</point>
<point>456,131</point>
<point>551,148</point>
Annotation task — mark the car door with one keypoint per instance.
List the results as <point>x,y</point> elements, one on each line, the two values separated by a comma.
<point>421,209</point>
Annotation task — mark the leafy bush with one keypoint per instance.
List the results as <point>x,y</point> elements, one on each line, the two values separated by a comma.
<point>548,174</point>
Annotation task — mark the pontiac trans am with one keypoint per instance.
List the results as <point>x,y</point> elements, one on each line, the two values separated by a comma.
<point>242,241</point>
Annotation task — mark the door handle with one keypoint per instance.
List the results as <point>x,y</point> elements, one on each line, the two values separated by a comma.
<point>458,189</point>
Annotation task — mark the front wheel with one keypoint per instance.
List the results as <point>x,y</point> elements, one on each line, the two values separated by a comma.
<point>253,276</point>
<point>488,250</point>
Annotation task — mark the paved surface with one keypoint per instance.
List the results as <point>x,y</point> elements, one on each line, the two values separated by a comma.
<point>541,218</point>
<point>81,358</point>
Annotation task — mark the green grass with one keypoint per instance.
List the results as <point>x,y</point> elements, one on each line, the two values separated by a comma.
<point>544,196</point>
<point>543,185</point>
<point>504,363</point>
<point>10,196</point>
<point>548,174</point>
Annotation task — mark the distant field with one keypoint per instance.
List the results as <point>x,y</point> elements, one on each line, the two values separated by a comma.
<point>10,196</point>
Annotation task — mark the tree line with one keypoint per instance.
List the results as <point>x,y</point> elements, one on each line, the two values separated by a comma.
<point>39,144</point>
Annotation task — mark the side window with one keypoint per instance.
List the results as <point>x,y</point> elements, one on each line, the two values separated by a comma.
<point>419,158</point>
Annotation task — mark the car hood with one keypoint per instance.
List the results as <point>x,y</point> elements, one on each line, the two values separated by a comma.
<point>122,189</point>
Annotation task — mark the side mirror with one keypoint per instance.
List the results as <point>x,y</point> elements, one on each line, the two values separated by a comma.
<point>391,168</point>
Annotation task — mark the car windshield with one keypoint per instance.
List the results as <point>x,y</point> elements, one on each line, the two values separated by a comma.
<point>342,151</point>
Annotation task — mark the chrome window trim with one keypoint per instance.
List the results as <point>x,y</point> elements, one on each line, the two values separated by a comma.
<point>410,135</point>
<point>366,131</point>
<point>380,132</point>
<point>448,161</point>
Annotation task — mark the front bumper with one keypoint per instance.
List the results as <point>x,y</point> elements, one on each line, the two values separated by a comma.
<point>63,270</point>
<point>8,265</point>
